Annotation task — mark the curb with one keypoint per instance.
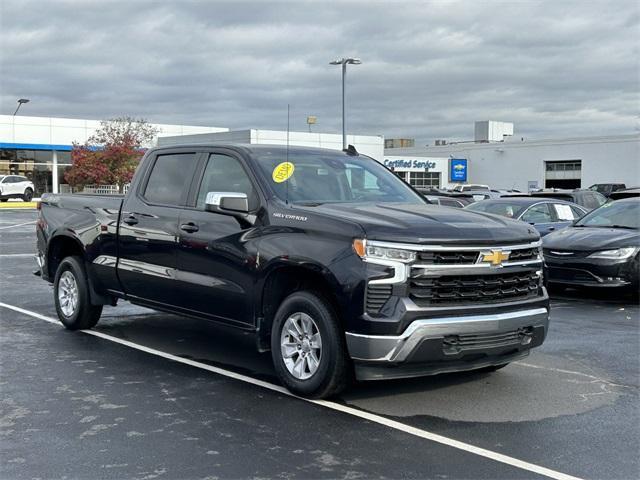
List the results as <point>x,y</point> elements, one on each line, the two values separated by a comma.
<point>14,205</point>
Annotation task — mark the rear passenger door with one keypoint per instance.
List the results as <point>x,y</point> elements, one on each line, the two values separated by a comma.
<point>216,253</point>
<point>540,216</point>
<point>148,233</point>
<point>10,185</point>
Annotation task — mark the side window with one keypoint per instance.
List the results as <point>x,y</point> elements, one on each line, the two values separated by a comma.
<point>169,178</point>
<point>564,213</point>
<point>538,214</point>
<point>225,174</point>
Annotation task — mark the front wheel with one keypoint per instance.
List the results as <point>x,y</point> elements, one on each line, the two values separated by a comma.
<point>28,195</point>
<point>71,294</point>
<point>308,347</point>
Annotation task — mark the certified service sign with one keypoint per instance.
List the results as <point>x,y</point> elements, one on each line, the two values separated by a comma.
<point>458,170</point>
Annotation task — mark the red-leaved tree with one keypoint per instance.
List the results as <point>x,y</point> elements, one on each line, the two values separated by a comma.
<point>110,156</point>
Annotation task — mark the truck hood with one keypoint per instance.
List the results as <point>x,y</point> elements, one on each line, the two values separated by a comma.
<point>409,223</point>
<point>589,239</point>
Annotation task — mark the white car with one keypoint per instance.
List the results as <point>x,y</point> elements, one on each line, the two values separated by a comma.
<point>15,186</point>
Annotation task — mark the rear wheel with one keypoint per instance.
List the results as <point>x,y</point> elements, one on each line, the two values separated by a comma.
<point>71,294</point>
<point>28,195</point>
<point>3,199</point>
<point>308,347</point>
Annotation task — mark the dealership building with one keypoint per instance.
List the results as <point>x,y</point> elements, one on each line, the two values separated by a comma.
<point>502,160</point>
<point>40,149</point>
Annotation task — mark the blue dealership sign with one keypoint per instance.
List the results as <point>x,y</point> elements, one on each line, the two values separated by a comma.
<point>458,170</point>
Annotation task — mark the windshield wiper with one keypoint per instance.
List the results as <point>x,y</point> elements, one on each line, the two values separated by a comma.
<point>626,227</point>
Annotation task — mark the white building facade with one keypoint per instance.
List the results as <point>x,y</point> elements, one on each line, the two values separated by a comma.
<point>526,165</point>
<point>371,145</point>
<point>40,147</point>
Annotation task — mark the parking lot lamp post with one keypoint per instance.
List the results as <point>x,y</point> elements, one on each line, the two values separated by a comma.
<point>20,102</point>
<point>344,62</point>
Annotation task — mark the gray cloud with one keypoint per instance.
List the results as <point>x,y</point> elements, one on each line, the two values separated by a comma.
<point>429,69</point>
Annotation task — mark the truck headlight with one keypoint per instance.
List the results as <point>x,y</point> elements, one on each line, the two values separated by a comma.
<point>373,251</point>
<point>617,254</point>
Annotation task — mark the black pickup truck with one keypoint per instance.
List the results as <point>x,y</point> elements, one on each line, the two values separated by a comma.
<point>336,265</point>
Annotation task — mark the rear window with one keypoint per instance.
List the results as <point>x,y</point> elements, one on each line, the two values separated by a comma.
<point>505,209</point>
<point>592,200</point>
<point>169,178</point>
<point>449,202</point>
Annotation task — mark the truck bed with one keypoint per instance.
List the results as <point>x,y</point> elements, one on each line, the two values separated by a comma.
<point>79,201</point>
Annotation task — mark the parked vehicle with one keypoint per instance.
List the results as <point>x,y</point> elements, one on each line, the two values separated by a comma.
<point>478,192</point>
<point>599,250</point>
<point>471,187</point>
<point>446,199</point>
<point>545,215</point>
<point>607,189</point>
<point>626,193</point>
<point>330,260</point>
<point>16,186</point>
<point>585,198</point>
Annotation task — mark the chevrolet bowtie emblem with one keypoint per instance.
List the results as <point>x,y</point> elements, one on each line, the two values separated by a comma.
<point>495,257</point>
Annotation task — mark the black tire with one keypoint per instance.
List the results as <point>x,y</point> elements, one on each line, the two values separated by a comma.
<point>492,368</point>
<point>4,199</point>
<point>84,315</point>
<point>333,373</point>
<point>28,195</point>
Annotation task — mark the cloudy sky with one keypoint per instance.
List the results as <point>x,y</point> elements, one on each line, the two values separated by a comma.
<point>555,68</point>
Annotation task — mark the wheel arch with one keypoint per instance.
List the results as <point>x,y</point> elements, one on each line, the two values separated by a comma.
<point>65,245</point>
<point>284,279</point>
<point>61,246</point>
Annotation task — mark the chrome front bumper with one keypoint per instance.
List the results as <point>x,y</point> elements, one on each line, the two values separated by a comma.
<point>398,349</point>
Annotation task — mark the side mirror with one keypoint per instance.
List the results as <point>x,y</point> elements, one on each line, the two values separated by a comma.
<point>227,203</point>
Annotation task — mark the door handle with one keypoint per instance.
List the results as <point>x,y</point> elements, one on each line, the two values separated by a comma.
<point>551,229</point>
<point>130,220</point>
<point>189,227</point>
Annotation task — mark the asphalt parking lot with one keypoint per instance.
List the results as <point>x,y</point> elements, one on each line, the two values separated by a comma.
<point>153,395</point>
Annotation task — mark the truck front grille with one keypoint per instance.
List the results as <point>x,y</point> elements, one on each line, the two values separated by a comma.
<point>471,289</point>
<point>469,257</point>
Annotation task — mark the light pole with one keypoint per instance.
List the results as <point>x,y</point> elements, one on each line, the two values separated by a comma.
<point>20,102</point>
<point>344,62</point>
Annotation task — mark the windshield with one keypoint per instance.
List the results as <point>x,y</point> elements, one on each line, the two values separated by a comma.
<point>314,178</point>
<point>506,209</point>
<point>615,214</point>
<point>2,177</point>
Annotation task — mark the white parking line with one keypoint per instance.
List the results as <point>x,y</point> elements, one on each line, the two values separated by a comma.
<point>434,437</point>
<point>17,254</point>
<point>17,225</point>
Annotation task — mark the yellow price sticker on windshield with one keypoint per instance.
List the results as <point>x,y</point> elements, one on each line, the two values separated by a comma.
<point>283,172</point>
